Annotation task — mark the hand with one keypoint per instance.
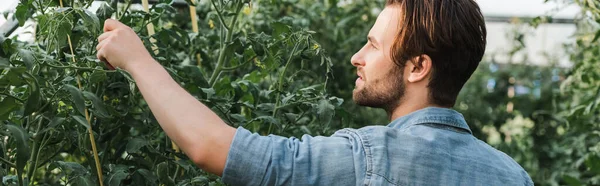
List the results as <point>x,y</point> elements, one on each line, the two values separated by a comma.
<point>120,46</point>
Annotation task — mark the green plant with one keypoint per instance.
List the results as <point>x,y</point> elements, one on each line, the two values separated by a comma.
<point>259,78</point>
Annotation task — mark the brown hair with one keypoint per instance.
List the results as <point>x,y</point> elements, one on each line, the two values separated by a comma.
<point>451,32</point>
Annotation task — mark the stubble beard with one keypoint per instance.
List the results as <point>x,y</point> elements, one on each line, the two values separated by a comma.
<point>381,93</point>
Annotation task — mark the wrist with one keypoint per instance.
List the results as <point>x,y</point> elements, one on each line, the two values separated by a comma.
<point>139,64</point>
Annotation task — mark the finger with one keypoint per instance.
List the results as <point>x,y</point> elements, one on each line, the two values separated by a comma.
<point>109,65</point>
<point>111,24</point>
<point>100,55</point>
<point>103,36</point>
<point>101,44</point>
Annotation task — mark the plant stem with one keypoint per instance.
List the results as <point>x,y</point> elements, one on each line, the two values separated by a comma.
<point>177,170</point>
<point>11,164</point>
<point>33,159</point>
<point>220,15</point>
<point>280,84</point>
<point>11,96</point>
<point>298,102</point>
<point>45,140</point>
<point>221,59</point>
<point>41,7</point>
<point>238,66</point>
<point>48,103</point>
<point>125,10</point>
<point>79,68</point>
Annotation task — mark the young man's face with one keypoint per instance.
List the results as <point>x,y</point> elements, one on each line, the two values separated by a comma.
<point>380,83</point>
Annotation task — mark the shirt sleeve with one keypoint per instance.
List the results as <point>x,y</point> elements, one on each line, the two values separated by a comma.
<point>276,160</point>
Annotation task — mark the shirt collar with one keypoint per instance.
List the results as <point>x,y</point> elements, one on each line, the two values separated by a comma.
<point>431,115</point>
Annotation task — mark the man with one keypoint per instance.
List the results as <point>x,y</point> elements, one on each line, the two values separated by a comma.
<point>418,56</point>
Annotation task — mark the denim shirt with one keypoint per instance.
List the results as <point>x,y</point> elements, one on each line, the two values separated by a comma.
<point>431,146</point>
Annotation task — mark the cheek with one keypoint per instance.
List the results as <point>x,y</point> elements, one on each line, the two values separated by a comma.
<point>377,66</point>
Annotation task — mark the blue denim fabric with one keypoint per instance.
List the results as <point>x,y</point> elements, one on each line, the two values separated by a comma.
<point>431,146</point>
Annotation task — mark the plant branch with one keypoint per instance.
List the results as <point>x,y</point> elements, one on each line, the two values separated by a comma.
<point>125,10</point>
<point>48,103</point>
<point>79,68</point>
<point>238,66</point>
<point>220,15</point>
<point>11,164</point>
<point>35,150</point>
<point>281,77</point>
<point>53,155</point>
<point>298,102</point>
<point>221,59</point>
<point>280,84</point>
<point>11,96</point>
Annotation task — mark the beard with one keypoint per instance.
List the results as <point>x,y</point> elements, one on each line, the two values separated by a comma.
<point>384,93</point>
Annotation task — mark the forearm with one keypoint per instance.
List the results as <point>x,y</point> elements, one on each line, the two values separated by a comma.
<point>196,129</point>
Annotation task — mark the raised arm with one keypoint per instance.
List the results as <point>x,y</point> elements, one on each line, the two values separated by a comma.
<point>196,129</point>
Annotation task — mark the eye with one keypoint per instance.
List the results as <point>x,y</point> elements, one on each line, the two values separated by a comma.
<point>372,45</point>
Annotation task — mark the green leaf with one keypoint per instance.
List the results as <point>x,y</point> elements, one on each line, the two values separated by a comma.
<point>187,165</point>
<point>147,175</point>
<point>7,46</point>
<point>21,138</point>
<point>81,120</point>
<point>238,117</point>
<point>104,12</point>
<point>266,120</point>
<point>4,62</point>
<point>53,123</point>
<point>280,28</point>
<point>126,74</point>
<point>117,173</point>
<point>210,92</point>
<point>200,179</point>
<point>22,13</point>
<point>116,177</point>
<point>77,98</point>
<point>90,19</point>
<point>196,75</point>
<point>162,170</point>
<point>134,145</point>
<point>325,111</point>
<point>34,100</point>
<point>14,76</point>
<point>593,163</point>
<point>596,37</point>
<point>97,77</point>
<point>571,180</point>
<point>305,130</point>
<point>7,106</point>
<point>71,168</point>
<point>99,108</point>
<point>27,57</point>
<point>83,180</point>
<point>62,32</point>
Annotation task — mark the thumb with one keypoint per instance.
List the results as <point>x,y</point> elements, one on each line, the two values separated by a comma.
<point>111,24</point>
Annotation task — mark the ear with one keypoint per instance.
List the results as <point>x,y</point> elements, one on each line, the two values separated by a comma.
<point>419,68</point>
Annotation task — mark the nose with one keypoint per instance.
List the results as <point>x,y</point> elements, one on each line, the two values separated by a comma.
<point>358,58</point>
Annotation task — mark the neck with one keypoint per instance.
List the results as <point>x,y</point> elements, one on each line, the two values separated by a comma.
<point>408,106</point>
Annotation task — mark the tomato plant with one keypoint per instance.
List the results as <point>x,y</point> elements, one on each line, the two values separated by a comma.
<point>270,77</point>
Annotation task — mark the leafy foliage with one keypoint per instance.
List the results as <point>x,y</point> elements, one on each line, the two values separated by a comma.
<point>552,131</point>
<point>261,77</point>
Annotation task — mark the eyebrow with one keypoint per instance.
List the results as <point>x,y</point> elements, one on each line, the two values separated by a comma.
<point>373,40</point>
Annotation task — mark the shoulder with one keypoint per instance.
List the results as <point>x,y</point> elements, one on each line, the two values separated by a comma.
<point>504,163</point>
